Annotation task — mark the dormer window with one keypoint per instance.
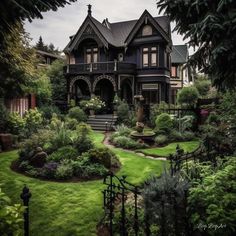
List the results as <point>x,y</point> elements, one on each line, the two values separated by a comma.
<point>147,30</point>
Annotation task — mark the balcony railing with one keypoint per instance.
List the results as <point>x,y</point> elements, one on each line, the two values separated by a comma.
<point>101,67</point>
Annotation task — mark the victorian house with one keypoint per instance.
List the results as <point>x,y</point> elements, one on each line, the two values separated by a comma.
<point>125,58</point>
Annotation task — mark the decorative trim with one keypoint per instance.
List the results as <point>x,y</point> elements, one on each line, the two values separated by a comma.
<point>104,77</point>
<point>86,79</point>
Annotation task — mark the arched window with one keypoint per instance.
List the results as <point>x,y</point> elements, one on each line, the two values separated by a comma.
<point>147,30</point>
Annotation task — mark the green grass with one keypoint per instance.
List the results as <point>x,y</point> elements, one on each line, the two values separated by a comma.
<point>70,208</point>
<point>171,148</point>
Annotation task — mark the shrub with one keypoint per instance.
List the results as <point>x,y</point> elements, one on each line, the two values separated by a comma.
<point>33,120</point>
<point>102,156</point>
<point>126,142</point>
<point>156,110</point>
<point>123,112</point>
<point>83,128</point>
<point>89,170</point>
<point>186,122</point>
<point>161,139</point>
<point>48,111</point>
<point>83,143</point>
<point>188,135</point>
<point>40,139</point>
<point>61,138</point>
<point>11,216</point>
<point>95,103</point>
<point>176,136</point>
<point>64,171</point>
<point>15,123</point>
<point>203,86</point>
<point>71,123</point>
<point>67,152</point>
<point>49,170</point>
<point>188,96</point>
<point>123,130</point>
<point>164,122</point>
<point>77,113</point>
<point>24,166</point>
<point>55,122</point>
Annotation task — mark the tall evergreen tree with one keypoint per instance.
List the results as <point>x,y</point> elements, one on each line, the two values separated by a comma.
<point>40,44</point>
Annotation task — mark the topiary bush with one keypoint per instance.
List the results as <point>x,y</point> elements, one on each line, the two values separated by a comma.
<point>123,112</point>
<point>78,114</point>
<point>188,96</point>
<point>164,122</point>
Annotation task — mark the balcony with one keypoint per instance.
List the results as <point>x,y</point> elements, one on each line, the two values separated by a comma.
<point>101,67</point>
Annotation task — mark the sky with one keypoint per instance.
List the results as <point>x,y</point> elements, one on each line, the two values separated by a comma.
<point>56,27</point>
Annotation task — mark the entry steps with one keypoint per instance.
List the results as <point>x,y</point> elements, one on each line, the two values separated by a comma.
<point>102,122</point>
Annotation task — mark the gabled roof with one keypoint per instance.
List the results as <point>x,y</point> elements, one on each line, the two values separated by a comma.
<point>117,33</point>
<point>179,54</point>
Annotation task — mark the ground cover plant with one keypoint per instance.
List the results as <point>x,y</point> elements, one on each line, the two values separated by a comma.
<point>71,208</point>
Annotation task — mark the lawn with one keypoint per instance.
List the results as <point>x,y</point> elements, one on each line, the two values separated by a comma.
<point>70,208</point>
<point>171,148</point>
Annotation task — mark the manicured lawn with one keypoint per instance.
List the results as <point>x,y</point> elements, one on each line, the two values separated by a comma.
<point>70,208</point>
<point>171,148</point>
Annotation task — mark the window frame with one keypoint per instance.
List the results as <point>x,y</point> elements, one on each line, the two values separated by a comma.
<point>150,51</point>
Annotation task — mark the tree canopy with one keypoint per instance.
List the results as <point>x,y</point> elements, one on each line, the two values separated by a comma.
<point>211,27</point>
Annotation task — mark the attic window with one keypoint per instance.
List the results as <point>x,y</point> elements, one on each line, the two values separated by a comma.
<point>147,30</point>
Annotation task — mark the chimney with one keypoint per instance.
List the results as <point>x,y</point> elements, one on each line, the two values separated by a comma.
<point>89,10</point>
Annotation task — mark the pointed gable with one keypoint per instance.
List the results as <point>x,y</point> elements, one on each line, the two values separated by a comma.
<point>160,25</point>
<point>89,29</point>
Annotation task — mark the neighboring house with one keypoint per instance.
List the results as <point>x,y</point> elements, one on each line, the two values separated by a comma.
<point>46,58</point>
<point>180,71</point>
<point>127,58</point>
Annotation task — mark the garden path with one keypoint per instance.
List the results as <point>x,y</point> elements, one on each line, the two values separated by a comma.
<point>107,143</point>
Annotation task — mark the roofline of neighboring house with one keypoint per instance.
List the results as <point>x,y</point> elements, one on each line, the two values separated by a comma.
<point>49,54</point>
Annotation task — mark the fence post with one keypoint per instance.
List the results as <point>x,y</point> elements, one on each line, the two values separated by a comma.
<point>25,196</point>
<point>136,228</point>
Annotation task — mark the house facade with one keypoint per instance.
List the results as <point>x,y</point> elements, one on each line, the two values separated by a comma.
<point>180,75</point>
<point>124,58</point>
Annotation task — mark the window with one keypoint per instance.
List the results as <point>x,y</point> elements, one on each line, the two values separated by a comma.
<point>145,57</point>
<point>91,55</point>
<point>147,30</point>
<point>150,57</point>
<point>173,71</point>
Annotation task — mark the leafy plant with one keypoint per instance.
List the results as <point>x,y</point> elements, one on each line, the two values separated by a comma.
<point>127,142</point>
<point>63,153</point>
<point>15,123</point>
<point>33,120</point>
<point>161,139</point>
<point>78,114</point>
<point>64,171</point>
<point>11,216</point>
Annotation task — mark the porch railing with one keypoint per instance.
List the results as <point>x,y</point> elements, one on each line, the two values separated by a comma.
<point>101,67</point>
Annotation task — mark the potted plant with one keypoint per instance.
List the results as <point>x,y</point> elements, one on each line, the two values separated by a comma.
<point>94,104</point>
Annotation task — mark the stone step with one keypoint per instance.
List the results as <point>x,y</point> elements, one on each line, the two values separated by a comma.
<point>101,120</point>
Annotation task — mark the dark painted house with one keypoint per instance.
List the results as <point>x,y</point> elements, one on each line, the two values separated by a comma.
<point>127,58</point>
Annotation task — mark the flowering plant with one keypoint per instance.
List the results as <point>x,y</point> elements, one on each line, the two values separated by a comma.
<point>95,103</point>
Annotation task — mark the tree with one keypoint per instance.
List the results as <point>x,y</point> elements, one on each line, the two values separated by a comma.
<point>188,96</point>
<point>203,85</point>
<point>211,27</point>
<point>14,74</point>
<point>40,44</point>
<point>58,81</point>
<point>17,63</point>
